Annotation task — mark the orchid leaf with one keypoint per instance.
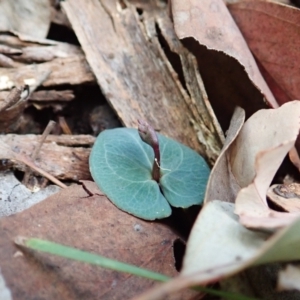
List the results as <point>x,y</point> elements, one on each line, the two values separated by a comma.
<point>121,165</point>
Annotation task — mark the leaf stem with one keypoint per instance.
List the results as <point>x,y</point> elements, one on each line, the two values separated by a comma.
<point>149,136</point>
<point>156,163</point>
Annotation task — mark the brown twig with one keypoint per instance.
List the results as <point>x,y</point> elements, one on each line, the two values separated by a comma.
<point>36,151</point>
<point>7,153</point>
<point>64,125</point>
<point>29,163</point>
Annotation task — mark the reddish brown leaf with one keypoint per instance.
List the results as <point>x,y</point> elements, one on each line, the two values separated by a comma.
<point>272,33</point>
<point>90,223</point>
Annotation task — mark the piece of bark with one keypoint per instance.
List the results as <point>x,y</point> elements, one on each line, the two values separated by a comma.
<point>65,157</point>
<point>18,41</point>
<point>12,107</point>
<point>4,49</point>
<point>6,62</point>
<point>203,119</point>
<point>131,67</point>
<point>68,140</point>
<point>41,53</point>
<point>71,70</point>
<point>46,96</point>
<point>35,50</point>
<point>52,95</point>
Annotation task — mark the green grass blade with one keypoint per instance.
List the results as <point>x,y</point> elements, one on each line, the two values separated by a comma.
<point>90,258</point>
<point>83,256</point>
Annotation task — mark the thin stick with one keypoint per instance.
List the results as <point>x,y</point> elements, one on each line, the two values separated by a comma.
<point>64,125</point>
<point>30,164</point>
<point>46,132</point>
<point>36,151</point>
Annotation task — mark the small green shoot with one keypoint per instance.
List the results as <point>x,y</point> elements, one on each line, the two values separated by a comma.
<point>145,173</point>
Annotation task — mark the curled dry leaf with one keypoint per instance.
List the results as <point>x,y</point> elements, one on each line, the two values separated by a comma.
<point>289,278</point>
<point>226,64</point>
<point>256,155</point>
<point>272,33</point>
<point>221,184</point>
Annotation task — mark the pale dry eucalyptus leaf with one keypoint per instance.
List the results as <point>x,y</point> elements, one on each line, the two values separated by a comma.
<point>256,155</point>
<point>220,184</point>
<point>31,17</point>
<point>222,248</point>
<point>265,130</point>
<point>289,278</point>
<point>238,244</point>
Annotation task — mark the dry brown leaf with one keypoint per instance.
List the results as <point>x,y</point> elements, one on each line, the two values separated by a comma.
<point>272,33</point>
<point>92,223</point>
<point>230,74</point>
<point>31,17</point>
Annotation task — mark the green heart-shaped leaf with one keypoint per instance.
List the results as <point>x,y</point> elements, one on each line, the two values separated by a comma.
<point>121,165</point>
